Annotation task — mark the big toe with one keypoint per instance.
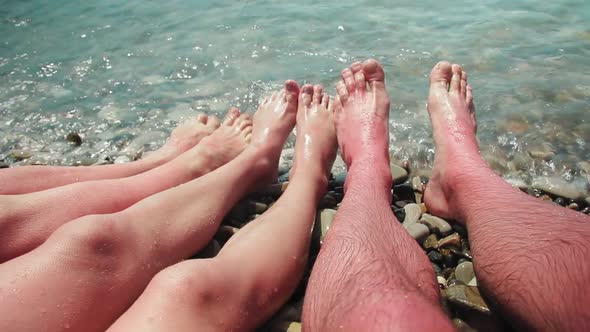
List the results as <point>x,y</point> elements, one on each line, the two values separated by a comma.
<point>440,76</point>
<point>373,71</point>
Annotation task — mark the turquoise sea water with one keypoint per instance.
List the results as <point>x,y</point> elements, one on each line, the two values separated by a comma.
<point>127,71</point>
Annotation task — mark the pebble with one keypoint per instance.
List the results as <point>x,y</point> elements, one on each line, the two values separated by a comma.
<point>416,230</point>
<point>461,326</point>
<point>586,210</point>
<point>436,224</point>
<point>74,138</point>
<point>210,251</point>
<point>517,183</point>
<point>285,327</point>
<point>224,233</point>
<point>437,270</point>
<point>449,260</point>
<point>122,160</point>
<point>472,282</point>
<point>435,257</point>
<point>4,165</point>
<point>399,174</point>
<point>464,272</point>
<point>20,154</point>
<point>328,201</point>
<point>340,178</point>
<point>587,199</point>
<point>404,192</point>
<point>453,240</point>
<point>274,189</point>
<point>413,213</point>
<point>573,206</point>
<point>467,297</point>
<point>417,186</point>
<point>260,208</point>
<point>559,201</point>
<point>442,282</point>
<point>559,187</point>
<point>454,282</point>
<point>326,219</point>
<point>400,214</point>
<point>431,243</point>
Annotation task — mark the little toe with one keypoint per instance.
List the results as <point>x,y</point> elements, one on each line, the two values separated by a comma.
<point>306,95</point>
<point>202,118</point>
<point>213,122</point>
<point>440,76</point>
<point>455,86</point>
<point>348,78</point>
<point>231,116</point>
<point>317,94</point>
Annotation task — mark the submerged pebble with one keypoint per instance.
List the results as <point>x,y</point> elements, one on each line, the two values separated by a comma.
<point>436,224</point>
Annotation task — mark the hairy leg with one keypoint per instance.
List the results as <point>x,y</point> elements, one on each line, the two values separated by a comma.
<point>23,180</point>
<point>29,219</point>
<point>92,269</point>
<point>528,254</point>
<point>370,274</point>
<point>260,266</point>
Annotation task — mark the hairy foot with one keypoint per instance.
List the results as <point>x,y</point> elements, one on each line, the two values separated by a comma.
<point>362,115</point>
<point>225,143</point>
<point>188,134</point>
<point>451,110</point>
<point>316,135</point>
<point>273,122</point>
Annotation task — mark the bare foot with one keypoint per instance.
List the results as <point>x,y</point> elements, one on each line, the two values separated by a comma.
<point>273,122</point>
<point>188,134</point>
<point>362,115</point>
<point>451,110</point>
<point>225,143</point>
<point>316,135</point>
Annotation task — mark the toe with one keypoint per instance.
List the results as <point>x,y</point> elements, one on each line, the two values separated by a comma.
<point>247,131</point>
<point>291,91</point>
<point>342,92</point>
<point>317,94</point>
<point>336,105</point>
<point>244,121</point>
<point>348,78</point>
<point>356,67</point>
<point>213,122</point>
<point>464,84</point>
<point>361,83</point>
<point>440,76</point>
<point>306,95</point>
<point>325,100</point>
<point>373,71</point>
<point>455,86</point>
<point>469,98</point>
<point>202,118</point>
<point>231,116</point>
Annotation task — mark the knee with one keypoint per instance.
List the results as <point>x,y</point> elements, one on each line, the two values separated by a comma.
<point>97,241</point>
<point>194,282</point>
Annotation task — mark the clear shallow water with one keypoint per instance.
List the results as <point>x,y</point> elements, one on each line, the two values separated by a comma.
<point>120,72</point>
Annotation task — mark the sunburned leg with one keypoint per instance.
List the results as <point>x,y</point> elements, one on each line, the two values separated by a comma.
<point>92,269</point>
<point>29,219</point>
<point>259,268</point>
<point>23,180</point>
<point>528,254</point>
<point>370,274</point>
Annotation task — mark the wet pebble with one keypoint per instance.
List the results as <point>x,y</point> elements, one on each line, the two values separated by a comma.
<point>416,230</point>
<point>4,165</point>
<point>328,201</point>
<point>442,282</point>
<point>399,174</point>
<point>210,251</point>
<point>122,160</point>
<point>464,272</point>
<point>340,178</point>
<point>573,206</point>
<point>400,214</point>
<point>431,243</point>
<point>224,233</point>
<point>453,240</point>
<point>467,297</point>
<point>74,138</point>
<point>472,282</point>
<point>413,213</point>
<point>559,201</point>
<point>436,224</point>
<point>20,154</point>
<point>559,187</point>
<point>326,219</point>
<point>461,326</point>
<point>435,257</point>
<point>404,192</point>
<point>417,187</point>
